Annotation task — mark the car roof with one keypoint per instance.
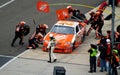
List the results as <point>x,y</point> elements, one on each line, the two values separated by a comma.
<point>67,23</point>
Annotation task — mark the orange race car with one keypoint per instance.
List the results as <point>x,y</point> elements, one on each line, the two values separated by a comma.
<point>68,35</point>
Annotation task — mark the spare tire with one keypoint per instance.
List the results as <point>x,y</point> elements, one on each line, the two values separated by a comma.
<point>27,30</point>
<point>118,28</point>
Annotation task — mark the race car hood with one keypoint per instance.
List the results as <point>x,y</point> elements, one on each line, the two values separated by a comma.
<point>61,38</point>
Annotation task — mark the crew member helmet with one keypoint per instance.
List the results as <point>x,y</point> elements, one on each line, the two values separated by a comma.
<point>115,51</point>
<point>69,7</point>
<point>51,35</point>
<point>91,13</point>
<point>97,13</point>
<point>22,22</point>
<point>108,40</point>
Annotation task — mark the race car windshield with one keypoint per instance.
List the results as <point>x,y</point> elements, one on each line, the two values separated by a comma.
<point>63,29</point>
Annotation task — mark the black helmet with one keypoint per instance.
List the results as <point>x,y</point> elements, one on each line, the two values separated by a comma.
<point>93,46</point>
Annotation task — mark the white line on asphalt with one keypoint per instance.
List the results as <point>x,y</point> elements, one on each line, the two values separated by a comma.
<point>6,56</point>
<point>7,3</point>
<point>13,59</point>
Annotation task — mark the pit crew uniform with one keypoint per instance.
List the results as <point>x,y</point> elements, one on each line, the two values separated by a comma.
<point>100,25</point>
<point>42,29</point>
<point>33,42</point>
<point>19,33</point>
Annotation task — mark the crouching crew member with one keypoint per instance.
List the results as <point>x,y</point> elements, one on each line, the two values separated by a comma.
<point>33,42</point>
<point>50,48</point>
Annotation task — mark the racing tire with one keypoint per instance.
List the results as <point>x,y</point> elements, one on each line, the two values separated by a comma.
<point>27,30</point>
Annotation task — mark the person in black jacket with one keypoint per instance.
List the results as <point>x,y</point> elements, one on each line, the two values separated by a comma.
<point>93,53</point>
<point>110,2</point>
<point>103,41</point>
<point>103,55</point>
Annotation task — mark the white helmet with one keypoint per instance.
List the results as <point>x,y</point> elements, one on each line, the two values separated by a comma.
<point>108,40</point>
<point>68,7</point>
<point>51,35</point>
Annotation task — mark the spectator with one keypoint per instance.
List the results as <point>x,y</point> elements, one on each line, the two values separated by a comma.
<point>103,55</point>
<point>108,66</point>
<point>114,62</point>
<point>103,41</point>
<point>108,46</point>
<point>108,34</point>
